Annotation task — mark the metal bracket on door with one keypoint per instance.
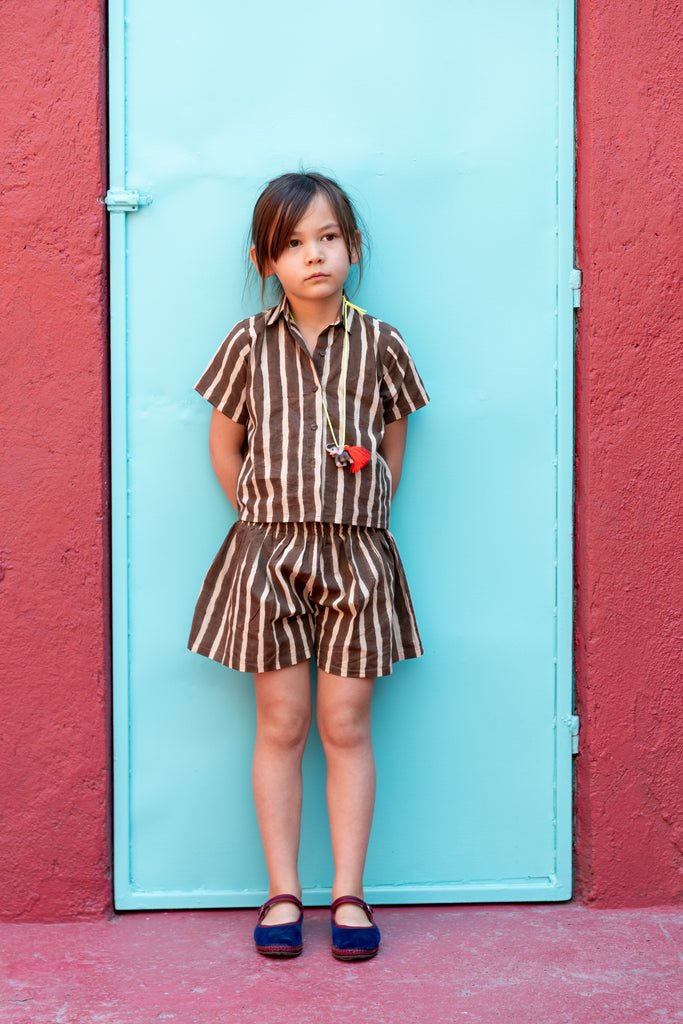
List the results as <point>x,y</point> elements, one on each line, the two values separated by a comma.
<point>573,723</point>
<point>575,285</point>
<point>126,200</point>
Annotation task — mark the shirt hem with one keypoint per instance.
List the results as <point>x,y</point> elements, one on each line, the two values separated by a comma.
<point>382,524</point>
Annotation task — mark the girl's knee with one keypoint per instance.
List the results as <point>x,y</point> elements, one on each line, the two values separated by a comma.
<point>343,727</point>
<point>284,725</point>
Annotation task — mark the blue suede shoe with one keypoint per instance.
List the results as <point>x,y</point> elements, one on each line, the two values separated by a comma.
<point>279,939</point>
<point>350,943</point>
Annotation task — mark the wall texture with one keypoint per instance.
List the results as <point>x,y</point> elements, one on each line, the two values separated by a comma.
<point>54,848</point>
<point>629,426</point>
<point>54,760</point>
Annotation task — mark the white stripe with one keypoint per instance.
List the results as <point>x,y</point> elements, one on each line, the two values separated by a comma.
<point>362,383</point>
<point>301,512</point>
<point>300,531</point>
<point>321,468</point>
<point>341,481</point>
<point>374,412</point>
<point>341,386</point>
<point>402,583</point>
<point>214,597</point>
<point>365,542</point>
<point>227,629</point>
<point>266,429</point>
<point>341,597</point>
<point>292,643</point>
<point>381,641</point>
<point>227,387</point>
<point>231,620</point>
<point>278,560</point>
<point>261,656</point>
<point>285,466</point>
<point>247,471</point>
<point>358,586</point>
<point>399,351</point>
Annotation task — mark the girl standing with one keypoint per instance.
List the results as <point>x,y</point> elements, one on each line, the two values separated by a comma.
<point>307,437</point>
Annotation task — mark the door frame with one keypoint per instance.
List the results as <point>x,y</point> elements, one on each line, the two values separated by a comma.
<point>122,199</point>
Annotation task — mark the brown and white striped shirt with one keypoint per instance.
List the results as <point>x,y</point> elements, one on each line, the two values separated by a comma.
<point>263,376</point>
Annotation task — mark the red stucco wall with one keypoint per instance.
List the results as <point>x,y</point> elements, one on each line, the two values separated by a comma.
<point>54,849</point>
<point>629,426</point>
<point>54,840</point>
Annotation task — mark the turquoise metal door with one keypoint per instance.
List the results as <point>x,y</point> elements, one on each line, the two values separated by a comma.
<point>452,124</point>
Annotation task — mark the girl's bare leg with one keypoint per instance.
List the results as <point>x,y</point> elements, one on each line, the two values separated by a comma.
<point>343,715</point>
<point>283,719</point>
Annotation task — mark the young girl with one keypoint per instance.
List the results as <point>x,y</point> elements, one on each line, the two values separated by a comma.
<point>307,437</point>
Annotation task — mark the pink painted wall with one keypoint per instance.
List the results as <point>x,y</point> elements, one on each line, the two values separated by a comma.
<point>629,512</point>
<point>54,698</point>
<point>54,838</point>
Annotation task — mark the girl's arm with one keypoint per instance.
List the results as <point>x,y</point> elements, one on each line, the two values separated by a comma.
<point>393,447</point>
<point>225,448</point>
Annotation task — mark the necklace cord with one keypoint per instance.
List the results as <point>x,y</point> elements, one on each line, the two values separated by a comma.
<point>339,445</point>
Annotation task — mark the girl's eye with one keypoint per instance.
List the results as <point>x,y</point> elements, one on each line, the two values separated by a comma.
<point>329,237</point>
<point>293,242</point>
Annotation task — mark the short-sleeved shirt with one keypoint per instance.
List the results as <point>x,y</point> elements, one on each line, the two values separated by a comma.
<point>264,377</point>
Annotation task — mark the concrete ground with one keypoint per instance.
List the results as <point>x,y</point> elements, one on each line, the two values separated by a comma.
<point>530,964</point>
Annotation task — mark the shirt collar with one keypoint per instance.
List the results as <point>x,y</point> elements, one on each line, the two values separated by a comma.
<point>273,314</point>
<point>282,309</point>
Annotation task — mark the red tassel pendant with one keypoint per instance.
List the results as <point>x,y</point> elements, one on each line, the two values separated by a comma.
<point>359,456</point>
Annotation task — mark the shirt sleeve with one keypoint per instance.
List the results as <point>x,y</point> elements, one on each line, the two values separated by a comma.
<point>224,381</point>
<point>401,387</point>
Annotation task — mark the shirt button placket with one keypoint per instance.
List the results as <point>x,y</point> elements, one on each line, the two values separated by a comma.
<point>316,389</point>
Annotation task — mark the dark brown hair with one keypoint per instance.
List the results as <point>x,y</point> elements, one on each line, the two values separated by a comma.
<point>284,202</point>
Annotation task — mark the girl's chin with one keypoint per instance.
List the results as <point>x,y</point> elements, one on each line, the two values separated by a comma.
<point>319,290</point>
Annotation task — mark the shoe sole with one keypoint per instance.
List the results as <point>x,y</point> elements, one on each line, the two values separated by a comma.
<point>279,951</point>
<point>354,954</point>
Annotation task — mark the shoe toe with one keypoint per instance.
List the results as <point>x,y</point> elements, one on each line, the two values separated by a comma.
<point>279,939</point>
<point>355,943</point>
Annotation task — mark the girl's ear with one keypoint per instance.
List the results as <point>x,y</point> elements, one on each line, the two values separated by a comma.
<point>356,249</point>
<point>267,270</point>
<point>252,257</point>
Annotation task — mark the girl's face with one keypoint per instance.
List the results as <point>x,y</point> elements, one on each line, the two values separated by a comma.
<point>315,262</point>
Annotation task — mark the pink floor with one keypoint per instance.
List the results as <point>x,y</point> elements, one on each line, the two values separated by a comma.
<point>543,964</point>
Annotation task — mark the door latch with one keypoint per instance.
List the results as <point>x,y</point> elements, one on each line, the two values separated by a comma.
<point>126,200</point>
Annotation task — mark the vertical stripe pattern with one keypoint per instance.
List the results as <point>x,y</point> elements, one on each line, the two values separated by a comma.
<point>264,377</point>
<point>276,594</point>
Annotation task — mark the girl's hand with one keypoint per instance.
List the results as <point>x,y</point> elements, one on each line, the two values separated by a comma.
<point>225,449</point>
<point>393,448</point>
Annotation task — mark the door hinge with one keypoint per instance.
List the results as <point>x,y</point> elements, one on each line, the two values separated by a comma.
<point>126,200</point>
<point>573,723</point>
<point>575,285</point>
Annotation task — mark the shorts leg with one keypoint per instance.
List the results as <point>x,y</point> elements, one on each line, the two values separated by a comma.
<point>277,591</point>
<point>253,614</point>
<point>365,619</point>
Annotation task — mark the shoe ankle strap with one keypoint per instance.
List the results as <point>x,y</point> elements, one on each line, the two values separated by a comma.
<point>285,897</point>
<point>358,902</point>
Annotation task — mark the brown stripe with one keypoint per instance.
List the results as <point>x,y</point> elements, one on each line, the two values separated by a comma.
<point>263,375</point>
<point>277,592</point>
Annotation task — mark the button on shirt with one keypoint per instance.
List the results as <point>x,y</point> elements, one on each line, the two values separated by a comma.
<point>264,377</point>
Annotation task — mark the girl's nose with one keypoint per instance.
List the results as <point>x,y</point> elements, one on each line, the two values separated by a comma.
<point>313,255</point>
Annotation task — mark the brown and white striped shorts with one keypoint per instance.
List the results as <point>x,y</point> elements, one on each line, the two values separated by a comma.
<point>277,593</point>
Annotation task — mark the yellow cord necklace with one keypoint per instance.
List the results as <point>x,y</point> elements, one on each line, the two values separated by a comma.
<point>343,454</point>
